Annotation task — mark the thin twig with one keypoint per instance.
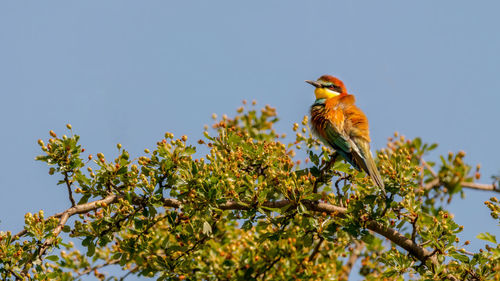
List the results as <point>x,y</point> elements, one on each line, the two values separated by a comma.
<point>128,273</point>
<point>266,269</point>
<point>472,185</point>
<point>92,268</point>
<point>70,193</point>
<point>414,230</point>
<point>316,249</point>
<point>428,167</point>
<point>323,172</point>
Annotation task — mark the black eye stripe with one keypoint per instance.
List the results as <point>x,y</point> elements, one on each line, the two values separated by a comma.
<point>333,87</point>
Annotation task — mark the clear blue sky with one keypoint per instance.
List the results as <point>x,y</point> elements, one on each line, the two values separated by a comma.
<point>128,71</point>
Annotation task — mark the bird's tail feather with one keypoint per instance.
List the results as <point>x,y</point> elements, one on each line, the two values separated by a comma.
<point>374,173</point>
<point>367,164</point>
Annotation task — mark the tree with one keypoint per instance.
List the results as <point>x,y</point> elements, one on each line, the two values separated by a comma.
<point>253,208</point>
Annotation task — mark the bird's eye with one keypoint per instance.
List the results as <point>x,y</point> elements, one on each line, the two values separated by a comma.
<point>335,88</point>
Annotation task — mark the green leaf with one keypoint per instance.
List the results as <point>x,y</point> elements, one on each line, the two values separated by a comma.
<point>368,238</point>
<point>122,170</point>
<point>246,225</point>
<point>84,199</point>
<point>86,241</point>
<point>342,167</point>
<point>67,246</point>
<point>116,256</point>
<point>52,258</point>
<point>313,196</point>
<point>277,210</point>
<point>487,237</point>
<point>314,158</point>
<point>432,146</point>
<point>53,275</point>
<point>189,151</point>
<point>91,250</point>
<point>460,257</point>
<point>417,142</point>
<point>42,158</point>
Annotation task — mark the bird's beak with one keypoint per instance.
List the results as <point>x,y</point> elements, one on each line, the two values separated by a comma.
<point>314,83</point>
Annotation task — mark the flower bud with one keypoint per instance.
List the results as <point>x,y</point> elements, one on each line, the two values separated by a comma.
<point>305,120</point>
<point>52,134</point>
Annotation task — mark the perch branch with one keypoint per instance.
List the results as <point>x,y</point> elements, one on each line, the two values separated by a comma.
<point>397,238</point>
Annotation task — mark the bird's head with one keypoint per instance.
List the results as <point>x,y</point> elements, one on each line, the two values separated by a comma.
<point>327,87</point>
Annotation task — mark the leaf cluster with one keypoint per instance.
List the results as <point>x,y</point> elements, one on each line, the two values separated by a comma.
<point>253,208</point>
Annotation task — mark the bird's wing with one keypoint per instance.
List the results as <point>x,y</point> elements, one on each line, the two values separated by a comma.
<point>334,134</point>
<point>334,131</point>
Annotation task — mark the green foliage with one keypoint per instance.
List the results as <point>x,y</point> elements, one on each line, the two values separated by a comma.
<point>253,208</point>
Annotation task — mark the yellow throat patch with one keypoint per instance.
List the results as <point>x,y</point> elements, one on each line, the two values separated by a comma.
<point>324,93</point>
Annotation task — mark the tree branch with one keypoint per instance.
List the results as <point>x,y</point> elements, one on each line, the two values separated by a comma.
<point>428,167</point>
<point>64,216</point>
<point>480,186</point>
<point>78,209</point>
<point>397,238</point>
<point>472,185</point>
<point>352,260</point>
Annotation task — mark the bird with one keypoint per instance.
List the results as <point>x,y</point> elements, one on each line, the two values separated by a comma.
<point>340,124</point>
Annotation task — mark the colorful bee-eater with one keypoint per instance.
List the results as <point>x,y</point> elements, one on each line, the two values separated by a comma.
<point>340,124</point>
